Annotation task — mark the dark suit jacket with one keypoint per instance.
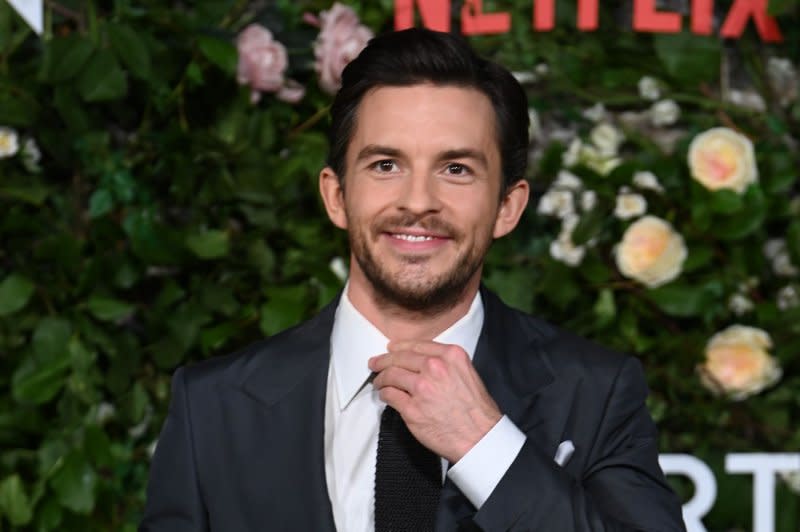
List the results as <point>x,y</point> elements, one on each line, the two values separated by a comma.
<point>242,446</point>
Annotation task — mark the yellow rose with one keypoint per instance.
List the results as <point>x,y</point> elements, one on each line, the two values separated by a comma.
<point>737,362</point>
<point>722,158</point>
<point>651,252</point>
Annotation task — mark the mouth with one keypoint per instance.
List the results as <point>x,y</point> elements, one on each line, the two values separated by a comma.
<point>409,240</point>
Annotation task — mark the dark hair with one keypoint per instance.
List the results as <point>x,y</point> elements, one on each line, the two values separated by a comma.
<point>414,56</point>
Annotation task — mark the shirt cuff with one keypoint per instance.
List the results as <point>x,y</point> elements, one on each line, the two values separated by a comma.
<point>480,470</point>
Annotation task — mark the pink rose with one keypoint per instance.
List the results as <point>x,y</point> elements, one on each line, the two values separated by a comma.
<point>262,64</point>
<point>341,38</point>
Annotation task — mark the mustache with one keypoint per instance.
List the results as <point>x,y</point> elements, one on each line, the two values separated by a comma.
<point>426,221</point>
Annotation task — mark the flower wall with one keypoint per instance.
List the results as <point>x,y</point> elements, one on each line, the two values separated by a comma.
<point>158,166</point>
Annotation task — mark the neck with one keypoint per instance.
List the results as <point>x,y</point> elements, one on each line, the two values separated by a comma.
<point>398,323</point>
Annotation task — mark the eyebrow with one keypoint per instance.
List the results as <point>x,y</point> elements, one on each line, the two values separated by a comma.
<point>372,150</point>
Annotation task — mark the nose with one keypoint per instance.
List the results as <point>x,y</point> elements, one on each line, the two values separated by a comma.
<point>420,194</point>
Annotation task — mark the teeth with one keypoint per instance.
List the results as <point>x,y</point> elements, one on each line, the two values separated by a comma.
<point>414,238</point>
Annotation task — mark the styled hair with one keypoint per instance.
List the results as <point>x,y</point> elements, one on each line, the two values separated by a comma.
<point>416,56</point>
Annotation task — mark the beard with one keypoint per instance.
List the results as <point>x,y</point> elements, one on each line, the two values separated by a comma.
<point>420,292</point>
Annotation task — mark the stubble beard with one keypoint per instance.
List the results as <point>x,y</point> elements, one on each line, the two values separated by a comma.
<point>424,293</point>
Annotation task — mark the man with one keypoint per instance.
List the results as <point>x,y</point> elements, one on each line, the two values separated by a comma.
<point>529,427</point>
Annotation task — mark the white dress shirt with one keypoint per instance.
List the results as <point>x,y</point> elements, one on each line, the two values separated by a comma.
<point>352,421</point>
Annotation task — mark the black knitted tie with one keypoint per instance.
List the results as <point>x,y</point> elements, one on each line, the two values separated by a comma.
<point>408,479</point>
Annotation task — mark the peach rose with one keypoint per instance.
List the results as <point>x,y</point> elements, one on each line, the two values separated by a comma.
<point>651,252</point>
<point>737,362</point>
<point>722,158</point>
<point>341,38</point>
<point>262,65</point>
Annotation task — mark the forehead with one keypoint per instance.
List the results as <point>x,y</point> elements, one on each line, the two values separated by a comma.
<point>426,118</point>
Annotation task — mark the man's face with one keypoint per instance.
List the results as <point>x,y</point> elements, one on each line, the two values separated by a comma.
<point>420,198</point>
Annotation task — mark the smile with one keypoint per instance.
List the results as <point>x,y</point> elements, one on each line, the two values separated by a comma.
<point>413,238</point>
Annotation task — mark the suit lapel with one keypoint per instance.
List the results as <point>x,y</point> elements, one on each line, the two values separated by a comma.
<point>289,381</point>
<point>512,362</point>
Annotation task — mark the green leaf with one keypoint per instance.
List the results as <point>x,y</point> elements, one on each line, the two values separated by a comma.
<point>50,338</point>
<point>70,109</point>
<point>681,300</point>
<point>507,282</point>
<point>726,201</point>
<point>208,244</point>
<point>150,239</point>
<point>14,502</point>
<point>109,309</point>
<point>286,307</point>
<point>64,58</point>
<point>16,111</point>
<point>697,258</point>
<point>15,292</point>
<point>74,483</point>
<point>33,193</point>
<point>130,49</point>
<point>605,309</point>
<point>687,56</point>
<point>38,382</point>
<point>100,203</point>
<point>221,53</point>
<point>102,79</point>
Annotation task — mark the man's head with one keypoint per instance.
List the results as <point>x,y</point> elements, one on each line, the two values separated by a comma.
<point>428,151</point>
<point>415,56</point>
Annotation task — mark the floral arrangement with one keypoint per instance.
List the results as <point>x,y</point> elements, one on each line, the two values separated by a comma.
<point>158,176</point>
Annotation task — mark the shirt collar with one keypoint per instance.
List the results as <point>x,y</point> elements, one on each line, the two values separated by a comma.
<point>354,339</point>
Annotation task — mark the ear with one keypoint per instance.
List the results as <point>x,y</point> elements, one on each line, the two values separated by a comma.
<point>511,208</point>
<point>333,197</point>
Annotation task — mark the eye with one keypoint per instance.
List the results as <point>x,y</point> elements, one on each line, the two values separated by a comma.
<point>384,166</point>
<point>457,169</point>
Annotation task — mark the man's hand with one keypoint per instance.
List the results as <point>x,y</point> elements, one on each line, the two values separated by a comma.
<point>437,391</point>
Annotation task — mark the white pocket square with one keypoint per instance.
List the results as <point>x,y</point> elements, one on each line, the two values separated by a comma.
<point>564,452</point>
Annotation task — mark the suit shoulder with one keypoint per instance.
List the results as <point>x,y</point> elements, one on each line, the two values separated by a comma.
<point>569,351</point>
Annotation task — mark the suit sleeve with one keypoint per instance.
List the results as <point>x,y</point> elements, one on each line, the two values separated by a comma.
<point>622,487</point>
<point>174,501</point>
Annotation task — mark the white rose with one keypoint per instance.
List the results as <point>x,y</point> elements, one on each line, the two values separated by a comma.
<point>740,304</point>
<point>782,265</point>
<point>595,113</point>
<point>649,89</point>
<point>535,125</point>
<point>774,247</point>
<point>592,158</point>
<point>567,252</point>
<point>588,200</point>
<point>783,79</point>
<point>747,100</point>
<point>792,480</point>
<point>339,268</point>
<point>567,180</point>
<point>647,180</point>
<point>31,155</point>
<point>629,205</point>
<point>563,249</point>
<point>556,202</point>
<point>571,155</point>
<point>664,113</point>
<point>651,252</point>
<point>721,158</point>
<point>607,138</point>
<point>9,142</point>
<point>787,297</point>
<point>737,363</point>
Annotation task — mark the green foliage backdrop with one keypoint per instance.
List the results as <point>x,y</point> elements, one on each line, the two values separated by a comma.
<point>153,216</point>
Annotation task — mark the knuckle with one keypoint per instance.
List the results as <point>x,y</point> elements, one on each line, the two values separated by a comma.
<point>435,365</point>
